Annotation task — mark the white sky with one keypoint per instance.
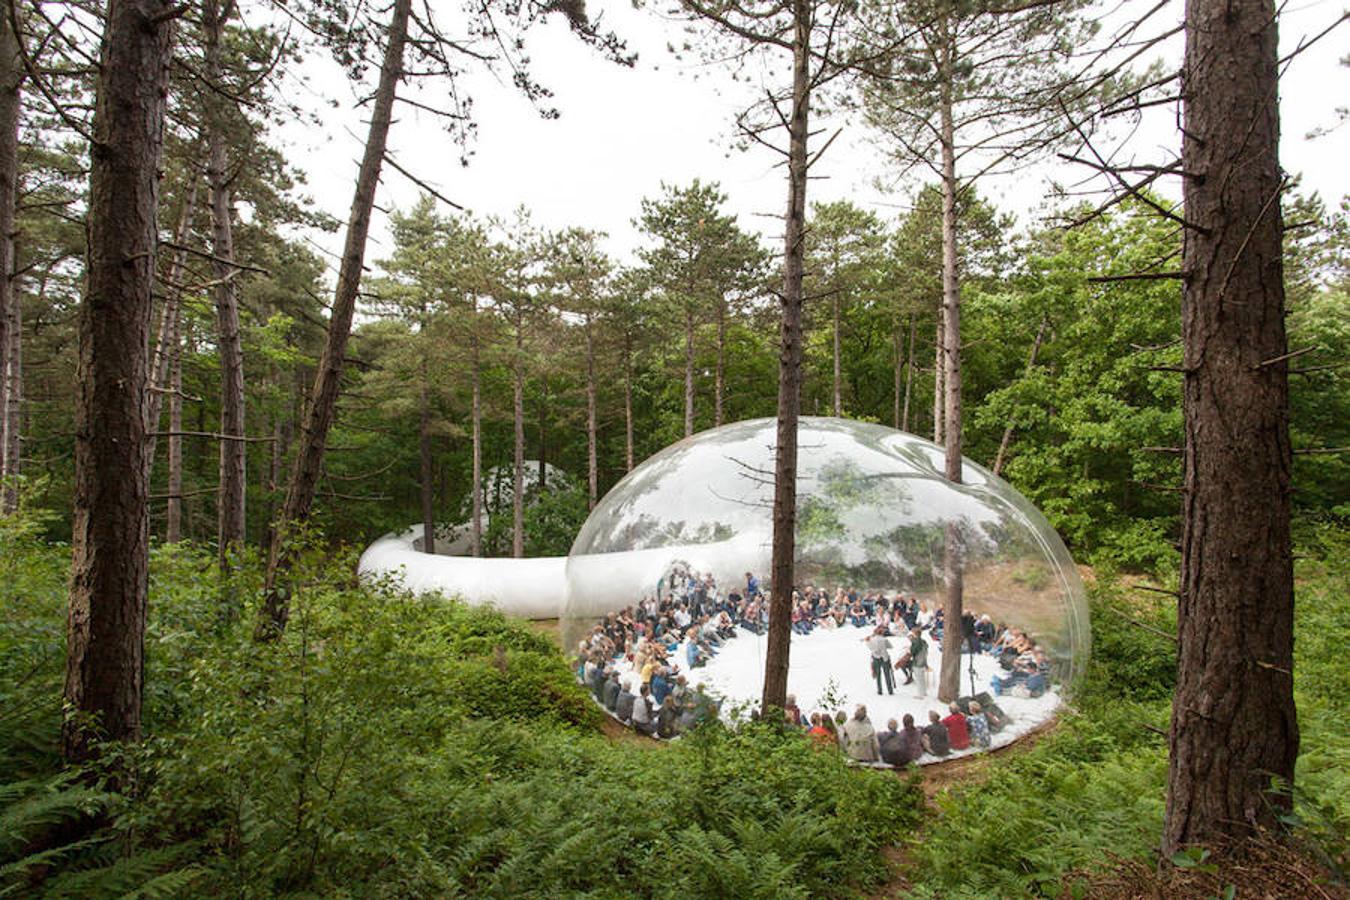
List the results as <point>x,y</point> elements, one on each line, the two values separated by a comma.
<point>624,131</point>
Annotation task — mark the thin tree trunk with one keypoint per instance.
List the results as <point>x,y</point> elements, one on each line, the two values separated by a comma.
<point>719,383</point>
<point>173,519</point>
<point>953,555</point>
<point>518,471</point>
<point>628,403</point>
<point>105,626</point>
<point>328,377</point>
<point>231,519</point>
<point>424,451</point>
<point>838,368</point>
<point>909,374</point>
<point>542,461</point>
<point>898,364</point>
<point>939,368</point>
<point>688,371</point>
<point>783,554</point>
<point>476,513</point>
<point>1031,366</point>
<point>13,424</point>
<point>592,467</point>
<point>168,322</point>
<point>11,81</point>
<point>1234,732</point>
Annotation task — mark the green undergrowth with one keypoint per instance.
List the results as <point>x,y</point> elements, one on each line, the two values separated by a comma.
<point>391,746</point>
<point>1093,789</point>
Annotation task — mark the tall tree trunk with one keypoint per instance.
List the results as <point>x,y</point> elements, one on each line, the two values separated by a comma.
<point>939,369</point>
<point>105,626</point>
<point>231,519</point>
<point>628,403</point>
<point>1234,726</point>
<point>1002,455</point>
<point>518,470</point>
<point>592,467</point>
<point>476,511</point>
<point>328,377</point>
<point>13,423</point>
<point>11,80</point>
<point>720,382</point>
<point>542,461</point>
<point>688,370</point>
<point>173,519</point>
<point>898,359</point>
<point>909,375</point>
<point>783,554</point>
<point>953,554</point>
<point>838,368</point>
<point>424,451</point>
<point>160,362</point>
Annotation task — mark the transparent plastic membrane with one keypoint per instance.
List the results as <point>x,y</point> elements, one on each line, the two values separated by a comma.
<point>672,547</point>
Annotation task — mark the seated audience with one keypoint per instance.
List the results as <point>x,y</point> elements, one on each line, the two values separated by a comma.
<point>979,726</point>
<point>935,739</point>
<point>958,734</point>
<point>860,737</point>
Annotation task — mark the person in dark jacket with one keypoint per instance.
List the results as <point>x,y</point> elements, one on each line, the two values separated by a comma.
<point>667,719</point>
<point>623,704</point>
<point>610,696</point>
<point>935,738</point>
<point>892,747</point>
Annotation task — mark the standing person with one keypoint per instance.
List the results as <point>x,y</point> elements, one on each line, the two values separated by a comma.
<point>918,661</point>
<point>751,586</point>
<point>862,743</point>
<point>880,647</point>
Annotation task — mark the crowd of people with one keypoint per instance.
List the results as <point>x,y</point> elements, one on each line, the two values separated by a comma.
<point>688,618</point>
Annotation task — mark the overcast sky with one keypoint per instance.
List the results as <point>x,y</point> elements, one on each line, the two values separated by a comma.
<point>624,131</point>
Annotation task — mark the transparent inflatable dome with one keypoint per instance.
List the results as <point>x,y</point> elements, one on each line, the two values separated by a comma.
<point>686,537</point>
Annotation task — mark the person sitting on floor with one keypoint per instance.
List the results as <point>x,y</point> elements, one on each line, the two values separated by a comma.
<point>644,718</point>
<point>958,734</point>
<point>667,719</point>
<point>861,737</point>
<point>819,734</point>
<point>610,696</point>
<point>979,726</point>
<point>623,704</point>
<point>892,746</point>
<point>936,742</point>
<point>911,738</point>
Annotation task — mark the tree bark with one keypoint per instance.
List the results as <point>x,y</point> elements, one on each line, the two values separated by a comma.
<point>909,375</point>
<point>105,626</point>
<point>939,366</point>
<point>11,81</point>
<point>628,403</point>
<point>953,554</point>
<point>592,467</point>
<point>328,377</point>
<point>173,519</point>
<point>231,518</point>
<point>518,470</point>
<point>838,368</point>
<point>161,362</point>
<point>1234,725</point>
<point>719,382</point>
<point>1002,455</point>
<point>13,423</point>
<point>688,369</point>
<point>779,643</point>
<point>476,513</point>
<point>424,452</point>
<point>898,359</point>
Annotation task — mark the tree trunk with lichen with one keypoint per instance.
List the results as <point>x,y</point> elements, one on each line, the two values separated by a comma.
<point>1234,726</point>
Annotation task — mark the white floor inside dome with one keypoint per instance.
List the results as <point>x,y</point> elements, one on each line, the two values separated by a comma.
<point>736,675</point>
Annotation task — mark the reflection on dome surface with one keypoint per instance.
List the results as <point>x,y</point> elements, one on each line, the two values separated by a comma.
<point>874,512</point>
